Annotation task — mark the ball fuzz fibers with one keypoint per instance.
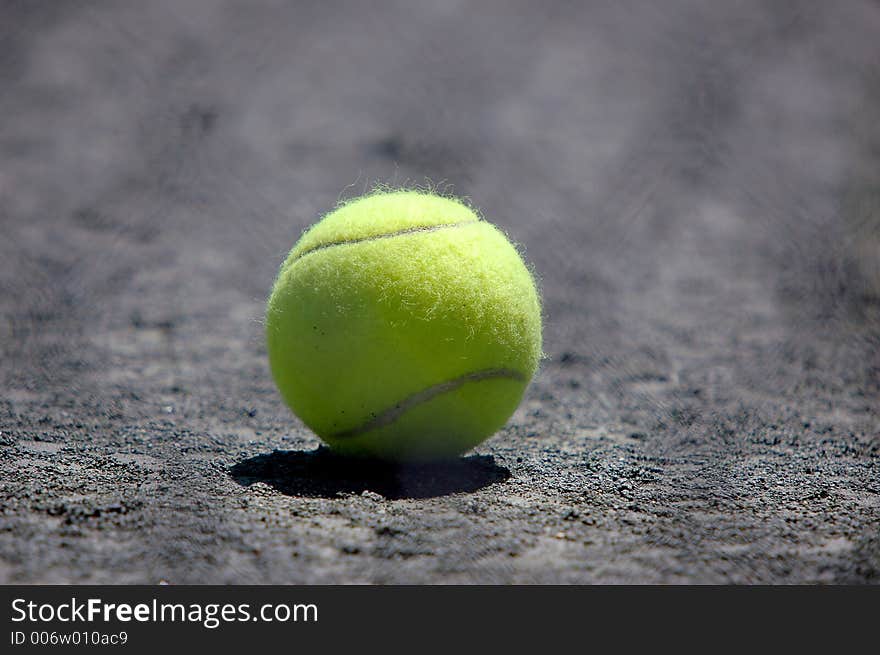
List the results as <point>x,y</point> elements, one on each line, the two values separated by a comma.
<point>403,327</point>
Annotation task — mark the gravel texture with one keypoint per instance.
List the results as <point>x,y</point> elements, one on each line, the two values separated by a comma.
<point>696,186</point>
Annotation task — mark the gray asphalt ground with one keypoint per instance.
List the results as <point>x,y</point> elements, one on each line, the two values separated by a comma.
<point>696,185</point>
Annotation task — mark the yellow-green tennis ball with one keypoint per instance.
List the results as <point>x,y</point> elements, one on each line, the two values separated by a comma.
<point>403,327</point>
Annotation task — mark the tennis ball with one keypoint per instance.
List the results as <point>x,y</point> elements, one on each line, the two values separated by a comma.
<point>403,327</point>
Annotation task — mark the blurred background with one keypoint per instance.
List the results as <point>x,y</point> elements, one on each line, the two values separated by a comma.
<point>695,185</point>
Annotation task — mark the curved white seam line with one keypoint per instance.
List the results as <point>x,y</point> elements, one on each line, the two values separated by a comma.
<point>388,416</point>
<point>376,237</point>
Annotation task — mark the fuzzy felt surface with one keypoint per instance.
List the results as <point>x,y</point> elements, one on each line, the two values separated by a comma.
<point>358,328</point>
<point>381,214</point>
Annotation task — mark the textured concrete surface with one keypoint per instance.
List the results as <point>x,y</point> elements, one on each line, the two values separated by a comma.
<point>695,184</point>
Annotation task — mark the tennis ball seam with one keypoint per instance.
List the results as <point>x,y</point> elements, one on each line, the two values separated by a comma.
<point>390,415</point>
<point>375,237</point>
